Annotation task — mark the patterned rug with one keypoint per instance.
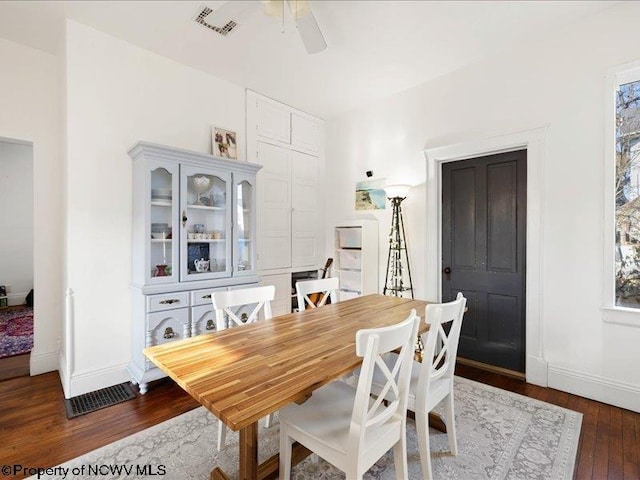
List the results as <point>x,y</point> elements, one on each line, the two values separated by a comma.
<point>501,435</point>
<point>16,331</point>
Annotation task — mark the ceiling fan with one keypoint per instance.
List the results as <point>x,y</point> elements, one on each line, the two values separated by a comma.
<point>233,13</point>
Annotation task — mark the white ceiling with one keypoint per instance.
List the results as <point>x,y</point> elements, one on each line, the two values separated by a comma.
<point>375,48</point>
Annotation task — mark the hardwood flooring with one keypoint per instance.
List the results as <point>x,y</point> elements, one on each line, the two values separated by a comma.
<point>34,429</point>
<point>16,366</point>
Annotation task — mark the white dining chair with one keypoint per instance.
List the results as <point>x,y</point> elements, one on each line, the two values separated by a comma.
<point>432,379</point>
<point>227,305</point>
<point>325,287</point>
<point>344,425</point>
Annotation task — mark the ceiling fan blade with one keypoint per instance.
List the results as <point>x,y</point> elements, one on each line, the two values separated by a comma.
<point>310,32</point>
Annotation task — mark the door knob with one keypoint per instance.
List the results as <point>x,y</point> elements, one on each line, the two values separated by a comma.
<point>447,271</point>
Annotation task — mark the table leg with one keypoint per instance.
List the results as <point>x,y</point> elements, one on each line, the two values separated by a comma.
<point>218,474</point>
<point>248,452</point>
<point>436,422</point>
<point>248,459</point>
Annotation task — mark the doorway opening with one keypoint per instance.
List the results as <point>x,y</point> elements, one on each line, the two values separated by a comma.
<point>16,257</point>
<point>533,141</point>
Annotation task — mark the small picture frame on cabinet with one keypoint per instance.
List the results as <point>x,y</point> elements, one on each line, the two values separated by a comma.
<point>224,143</point>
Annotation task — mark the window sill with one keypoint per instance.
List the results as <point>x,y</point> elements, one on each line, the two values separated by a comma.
<point>629,317</point>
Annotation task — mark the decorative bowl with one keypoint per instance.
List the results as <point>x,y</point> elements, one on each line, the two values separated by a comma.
<point>201,183</point>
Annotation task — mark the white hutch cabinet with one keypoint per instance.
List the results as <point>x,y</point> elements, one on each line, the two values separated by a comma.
<point>194,232</point>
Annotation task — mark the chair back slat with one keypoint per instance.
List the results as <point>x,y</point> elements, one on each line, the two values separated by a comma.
<point>228,303</point>
<point>440,347</point>
<point>373,345</point>
<point>327,287</point>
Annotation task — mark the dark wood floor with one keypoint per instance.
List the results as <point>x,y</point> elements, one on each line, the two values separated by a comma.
<point>15,366</point>
<point>34,429</point>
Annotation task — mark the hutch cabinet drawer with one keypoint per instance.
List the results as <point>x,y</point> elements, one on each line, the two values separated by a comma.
<point>167,301</point>
<point>203,297</point>
<point>165,327</point>
<point>203,320</point>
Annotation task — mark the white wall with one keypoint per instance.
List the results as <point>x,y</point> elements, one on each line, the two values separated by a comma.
<point>16,220</point>
<point>29,112</point>
<point>560,82</point>
<point>118,94</point>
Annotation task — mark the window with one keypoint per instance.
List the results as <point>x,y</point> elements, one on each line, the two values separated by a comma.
<point>627,195</point>
<point>621,255</point>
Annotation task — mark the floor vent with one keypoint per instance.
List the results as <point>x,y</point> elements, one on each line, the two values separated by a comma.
<point>92,401</point>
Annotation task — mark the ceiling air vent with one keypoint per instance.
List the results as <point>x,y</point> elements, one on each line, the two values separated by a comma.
<point>226,28</point>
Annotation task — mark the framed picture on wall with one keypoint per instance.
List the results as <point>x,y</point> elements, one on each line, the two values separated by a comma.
<point>225,143</point>
<point>370,195</point>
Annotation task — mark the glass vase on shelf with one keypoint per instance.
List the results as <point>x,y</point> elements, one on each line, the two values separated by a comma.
<point>200,184</point>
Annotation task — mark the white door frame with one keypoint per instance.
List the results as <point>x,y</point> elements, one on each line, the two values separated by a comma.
<point>534,142</point>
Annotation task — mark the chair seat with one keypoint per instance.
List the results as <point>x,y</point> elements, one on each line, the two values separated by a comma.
<point>326,416</point>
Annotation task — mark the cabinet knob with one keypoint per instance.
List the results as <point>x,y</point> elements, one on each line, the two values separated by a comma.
<point>169,333</point>
<point>210,325</point>
<point>184,218</point>
<point>206,296</point>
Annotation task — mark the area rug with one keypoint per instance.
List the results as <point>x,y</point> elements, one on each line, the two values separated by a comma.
<point>16,331</point>
<point>501,435</point>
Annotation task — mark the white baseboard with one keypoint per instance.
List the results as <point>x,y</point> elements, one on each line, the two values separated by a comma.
<point>537,371</point>
<point>43,362</point>
<point>16,298</point>
<point>620,394</point>
<point>90,381</point>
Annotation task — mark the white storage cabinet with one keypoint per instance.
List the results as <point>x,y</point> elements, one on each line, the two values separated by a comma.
<point>289,145</point>
<point>356,258</point>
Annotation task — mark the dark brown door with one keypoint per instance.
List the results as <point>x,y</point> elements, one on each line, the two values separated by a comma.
<point>483,254</point>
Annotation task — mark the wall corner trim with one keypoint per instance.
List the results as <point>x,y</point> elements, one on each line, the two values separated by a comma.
<point>537,371</point>
<point>92,380</point>
<point>43,363</point>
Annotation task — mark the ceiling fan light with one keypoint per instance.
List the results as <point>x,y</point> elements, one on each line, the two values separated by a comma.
<point>298,8</point>
<point>273,8</point>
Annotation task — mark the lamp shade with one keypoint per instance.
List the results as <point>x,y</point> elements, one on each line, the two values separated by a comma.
<point>399,190</point>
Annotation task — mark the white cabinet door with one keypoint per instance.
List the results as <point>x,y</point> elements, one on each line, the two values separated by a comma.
<point>305,133</point>
<point>273,121</point>
<point>281,304</point>
<point>274,207</point>
<point>306,224</point>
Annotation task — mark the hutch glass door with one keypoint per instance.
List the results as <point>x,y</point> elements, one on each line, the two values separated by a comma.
<point>205,245</point>
<point>162,197</point>
<point>245,226</point>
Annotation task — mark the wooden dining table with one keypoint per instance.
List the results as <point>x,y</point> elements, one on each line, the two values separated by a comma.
<point>243,373</point>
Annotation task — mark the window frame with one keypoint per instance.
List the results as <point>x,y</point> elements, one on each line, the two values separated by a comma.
<point>619,75</point>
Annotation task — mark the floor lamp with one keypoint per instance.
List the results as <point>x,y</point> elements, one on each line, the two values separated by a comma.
<point>396,283</point>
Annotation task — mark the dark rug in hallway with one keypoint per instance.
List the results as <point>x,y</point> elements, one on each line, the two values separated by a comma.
<point>16,331</point>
